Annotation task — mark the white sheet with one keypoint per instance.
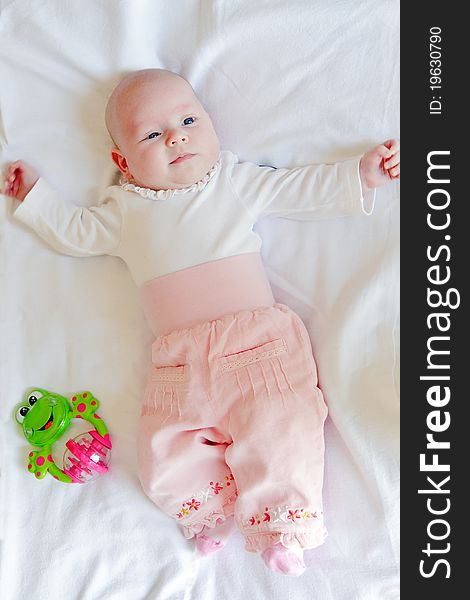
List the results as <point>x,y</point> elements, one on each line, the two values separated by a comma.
<point>286,83</point>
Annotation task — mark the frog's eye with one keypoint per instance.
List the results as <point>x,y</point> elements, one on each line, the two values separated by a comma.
<point>21,413</point>
<point>34,397</point>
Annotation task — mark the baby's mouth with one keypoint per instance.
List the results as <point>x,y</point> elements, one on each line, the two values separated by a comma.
<point>48,424</point>
<point>181,158</point>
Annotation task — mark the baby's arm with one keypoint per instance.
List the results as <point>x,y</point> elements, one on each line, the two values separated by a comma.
<point>302,193</point>
<point>317,191</point>
<point>69,229</point>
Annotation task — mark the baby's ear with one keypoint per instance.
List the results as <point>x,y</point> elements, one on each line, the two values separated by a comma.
<point>120,161</point>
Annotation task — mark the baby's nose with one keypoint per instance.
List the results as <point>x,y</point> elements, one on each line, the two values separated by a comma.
<point>176,137</point>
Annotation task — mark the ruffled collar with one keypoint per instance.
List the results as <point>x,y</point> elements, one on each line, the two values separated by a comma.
<point>165,194</point>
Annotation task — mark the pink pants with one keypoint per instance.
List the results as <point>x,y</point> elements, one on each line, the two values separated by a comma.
<point>232,423</point>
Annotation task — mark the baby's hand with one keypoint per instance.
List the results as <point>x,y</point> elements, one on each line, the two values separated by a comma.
<point>19,180</point>
<point>380,164</point>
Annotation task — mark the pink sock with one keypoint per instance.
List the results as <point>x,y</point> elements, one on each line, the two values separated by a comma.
<point>206,545</point>
<point>211,540</point>
<point>288,561</point>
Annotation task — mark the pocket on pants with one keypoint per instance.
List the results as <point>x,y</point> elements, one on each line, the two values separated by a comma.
<point>178,374</point>
<point>238,360</point>
<point>166,387</point>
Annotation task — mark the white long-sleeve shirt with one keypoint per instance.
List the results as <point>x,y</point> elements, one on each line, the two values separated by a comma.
<point>160,232</point>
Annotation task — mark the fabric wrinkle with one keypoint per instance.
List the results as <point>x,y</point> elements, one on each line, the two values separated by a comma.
<point>240,387</point>
<point>278,384</point>
<point>248,370</point>
<point>266,384</point>
<point>170,412</point>
<point>285,376</point>
<point>178,403</point>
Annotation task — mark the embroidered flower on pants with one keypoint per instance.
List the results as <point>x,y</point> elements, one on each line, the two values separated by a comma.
<point>196,499</point>
<point>284,514</point>
<point>216,487</point>
<point>293,515</point>
<point>194,505</point>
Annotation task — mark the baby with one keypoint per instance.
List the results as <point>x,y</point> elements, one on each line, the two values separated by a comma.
<point>231,431</point>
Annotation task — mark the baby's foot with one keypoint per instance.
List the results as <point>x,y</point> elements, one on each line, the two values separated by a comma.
<point>206,545</point>
<point>288,561</point>
<point>211,540</point>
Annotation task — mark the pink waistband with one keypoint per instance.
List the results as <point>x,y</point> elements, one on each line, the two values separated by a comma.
<point>206,292</point>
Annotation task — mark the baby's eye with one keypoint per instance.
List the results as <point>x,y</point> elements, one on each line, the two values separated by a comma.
<point>189,121</point>
<point>153,135</point>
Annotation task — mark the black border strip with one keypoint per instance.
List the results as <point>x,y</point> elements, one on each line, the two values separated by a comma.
<point>441,129</point>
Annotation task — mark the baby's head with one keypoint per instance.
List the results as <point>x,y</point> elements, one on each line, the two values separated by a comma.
<point>163,137</point>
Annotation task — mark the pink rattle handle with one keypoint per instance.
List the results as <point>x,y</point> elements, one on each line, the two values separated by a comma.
<point>106,441</point>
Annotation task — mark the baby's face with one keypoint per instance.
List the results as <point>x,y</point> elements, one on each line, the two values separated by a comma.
<point>166,139</point>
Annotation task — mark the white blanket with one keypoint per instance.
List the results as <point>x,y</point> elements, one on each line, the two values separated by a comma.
<point>286,83</point>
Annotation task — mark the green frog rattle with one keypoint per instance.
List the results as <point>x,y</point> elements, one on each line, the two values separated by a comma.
<point>45,417</point>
